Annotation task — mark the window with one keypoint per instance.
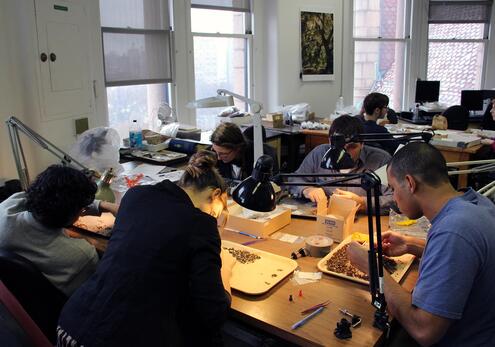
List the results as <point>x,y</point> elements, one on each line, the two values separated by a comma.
<point>222,41</point>
<point>457,37</point>
<point>380,32</point>
<point>137,56</point>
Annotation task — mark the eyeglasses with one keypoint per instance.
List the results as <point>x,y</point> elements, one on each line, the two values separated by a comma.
<point>351,145</point>
<point>222,153</point>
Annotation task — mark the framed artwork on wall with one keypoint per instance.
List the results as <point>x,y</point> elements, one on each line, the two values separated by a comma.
<point>317,45</point>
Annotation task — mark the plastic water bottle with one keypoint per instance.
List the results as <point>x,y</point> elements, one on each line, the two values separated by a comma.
<point>339,106</point>
<point>135,135</point>
<point>415,117</point>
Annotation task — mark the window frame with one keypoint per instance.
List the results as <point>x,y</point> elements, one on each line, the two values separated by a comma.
<point>407,45</point>
<point>484,41</point>
<point>248,58</point>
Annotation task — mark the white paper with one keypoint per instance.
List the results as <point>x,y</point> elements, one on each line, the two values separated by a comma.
<point>155,172</point>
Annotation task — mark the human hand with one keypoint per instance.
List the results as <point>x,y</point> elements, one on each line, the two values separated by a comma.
<point>394,244</point>
<point>382,122</point>
<point>358,255</point>
<point>106,206</point>
<point>228,261</point>
<point>315,194</point>
<point>360,200</point>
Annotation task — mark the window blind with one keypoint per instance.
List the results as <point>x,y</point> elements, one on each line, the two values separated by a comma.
<point>226,5</point>
<point>442,12</point>
<point>136,41</point>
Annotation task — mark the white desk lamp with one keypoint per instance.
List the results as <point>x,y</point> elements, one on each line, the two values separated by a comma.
<point>14,125</point>
<point>484,166</point>
<point>225,98</point>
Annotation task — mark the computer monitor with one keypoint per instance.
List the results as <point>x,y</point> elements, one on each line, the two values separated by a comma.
<point>427,91</point>
<point>472,99</point>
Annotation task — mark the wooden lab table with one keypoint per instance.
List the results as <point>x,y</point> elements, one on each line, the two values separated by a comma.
<point>275,314</point>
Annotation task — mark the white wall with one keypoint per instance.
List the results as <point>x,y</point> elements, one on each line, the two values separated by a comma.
<point>19,95</point>
<point>282,57</point>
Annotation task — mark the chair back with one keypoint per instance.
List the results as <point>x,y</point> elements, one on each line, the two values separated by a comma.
<point>16,327</point>
<point>37,295</point>
<point>457,117</point>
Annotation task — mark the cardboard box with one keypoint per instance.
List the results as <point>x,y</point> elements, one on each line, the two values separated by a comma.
<point>337,223</point>
<point>260,224</point>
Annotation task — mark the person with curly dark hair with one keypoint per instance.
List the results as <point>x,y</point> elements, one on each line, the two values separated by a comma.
<point>163,271</point>
<point>32,225</point>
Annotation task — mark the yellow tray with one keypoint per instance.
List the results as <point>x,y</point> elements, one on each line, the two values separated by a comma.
<point>260,276</point>
<point>403,262</point>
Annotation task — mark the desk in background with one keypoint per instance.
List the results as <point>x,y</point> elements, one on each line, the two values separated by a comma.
<point>451,154</point>
<point>273,313</point>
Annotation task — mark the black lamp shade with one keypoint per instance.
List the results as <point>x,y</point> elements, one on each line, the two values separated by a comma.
<point>336,159</point>
<point>256,192</point>
<point>256,196</point>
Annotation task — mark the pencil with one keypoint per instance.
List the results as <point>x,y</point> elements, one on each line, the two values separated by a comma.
<point>306,319</point>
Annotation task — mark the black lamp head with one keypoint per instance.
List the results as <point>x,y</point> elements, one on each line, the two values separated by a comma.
<point>336,158</point>
<point>256,192</point>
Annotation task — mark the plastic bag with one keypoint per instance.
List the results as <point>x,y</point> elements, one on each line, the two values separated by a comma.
<point>98,149</point>
<point>413,227</point>
<point>170,130</point>
<point>298,112</point>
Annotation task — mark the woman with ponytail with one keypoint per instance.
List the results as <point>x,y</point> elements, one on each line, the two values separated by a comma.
<point>163,280</point>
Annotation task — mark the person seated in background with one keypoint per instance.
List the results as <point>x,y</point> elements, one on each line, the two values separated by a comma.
<point>32,225</point>
<point>163,272</point>
<point>364,157</point>
<point>375,107</point>
<point>235,151</point>
<point>488,122</point>
<point>451,304</point>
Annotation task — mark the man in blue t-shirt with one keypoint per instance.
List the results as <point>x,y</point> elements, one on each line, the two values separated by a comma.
<point>452,303</point>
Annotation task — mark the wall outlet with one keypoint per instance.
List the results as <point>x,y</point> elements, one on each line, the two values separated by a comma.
<point>82,124</point>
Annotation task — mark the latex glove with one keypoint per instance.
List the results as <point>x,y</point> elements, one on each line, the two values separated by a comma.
<point>394,244</point>
<point>360,200</point>
<point>315,194</point>
<point>358,255</point>
<point>228,261</point>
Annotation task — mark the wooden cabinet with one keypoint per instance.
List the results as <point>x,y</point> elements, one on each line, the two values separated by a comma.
<point>65,84</point>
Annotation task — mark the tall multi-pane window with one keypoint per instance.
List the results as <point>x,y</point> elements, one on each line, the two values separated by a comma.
<point>137,56</point>
<point>380,36</point>
<point>457,38</point>
<point>222,39</point>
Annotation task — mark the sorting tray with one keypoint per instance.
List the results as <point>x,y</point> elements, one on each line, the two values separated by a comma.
<point>260,276</point>
<point>403,262</point>
<point>101,225</point>
<point>161,157</point>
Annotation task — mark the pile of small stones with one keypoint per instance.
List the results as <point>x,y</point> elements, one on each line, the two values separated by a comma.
<point>339,263</point>
<point>243,257</point>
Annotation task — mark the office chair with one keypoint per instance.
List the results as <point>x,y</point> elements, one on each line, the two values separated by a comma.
<point>457,117</point>
<point>37,295</point>
<point>16,327</point>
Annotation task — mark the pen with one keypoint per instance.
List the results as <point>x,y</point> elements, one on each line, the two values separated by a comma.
<point>251,242</point>
<point>250,235</point>
<point>306,319</point>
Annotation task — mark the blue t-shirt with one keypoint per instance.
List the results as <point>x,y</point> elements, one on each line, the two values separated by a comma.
<point>457,270</point>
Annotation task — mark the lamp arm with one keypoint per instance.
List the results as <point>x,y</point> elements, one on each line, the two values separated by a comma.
<point>14,125</point>
<point>424,136</point>
<point>256,106</point>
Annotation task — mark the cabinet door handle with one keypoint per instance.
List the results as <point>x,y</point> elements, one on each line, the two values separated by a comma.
<point>53,57</point>
<point>43,57</point>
